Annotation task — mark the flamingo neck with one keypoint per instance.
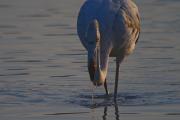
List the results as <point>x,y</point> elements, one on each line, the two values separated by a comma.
<point>100,60</point>
<point>101,69</point>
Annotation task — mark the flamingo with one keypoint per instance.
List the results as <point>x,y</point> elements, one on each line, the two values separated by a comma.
<point>107,28</point>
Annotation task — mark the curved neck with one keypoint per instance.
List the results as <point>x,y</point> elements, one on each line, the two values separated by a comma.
<point>98,57</point>
<point>101,60</point>
<point>98,75</point>
<point>101,66</point>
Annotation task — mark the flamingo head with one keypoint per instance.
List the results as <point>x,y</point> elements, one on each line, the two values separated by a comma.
<point>93,38</point>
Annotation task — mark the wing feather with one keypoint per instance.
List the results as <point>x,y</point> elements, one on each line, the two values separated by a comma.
<point>126,26</point>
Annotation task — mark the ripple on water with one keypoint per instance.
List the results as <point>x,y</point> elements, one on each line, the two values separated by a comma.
<point>40,15</point>
<point>24,38</point>
<point>59,25</point>
<point>17,69</point>
<point>23,61</point>
<point>158,47</point>
<point>6,58</point>
<point>173,114</point>
<point>62,76</point>
<point>59,34</point>
<point>5,6</point>
<point>159,58</point>
<point>126,99</point>
<point>54,66</point>
<point>79,62</point>
<point>54,10</point>
<point>7,26</point>
<point>56,25</point>
<point>70,54</point>
<point>15,74</point>
<point>12,33</point>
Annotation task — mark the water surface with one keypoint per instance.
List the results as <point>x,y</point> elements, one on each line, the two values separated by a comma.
<point>43,73</point>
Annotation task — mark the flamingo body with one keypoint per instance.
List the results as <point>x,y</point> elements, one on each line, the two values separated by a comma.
<point>117,25</point>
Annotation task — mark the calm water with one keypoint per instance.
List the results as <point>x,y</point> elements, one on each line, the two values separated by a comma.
<point>43,68</point>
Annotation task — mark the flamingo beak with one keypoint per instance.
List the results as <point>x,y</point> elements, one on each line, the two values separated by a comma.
<point>95,76</point>
<point>99,78</point>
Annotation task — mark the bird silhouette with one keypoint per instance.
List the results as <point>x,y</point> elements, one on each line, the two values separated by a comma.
<point>107,28</point>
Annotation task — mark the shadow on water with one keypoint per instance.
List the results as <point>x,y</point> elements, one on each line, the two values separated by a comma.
<point>97,100</point>
<point>126,99</point>
<point>116,112</point>
<point>106,114</point>
<point>99,104</point>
